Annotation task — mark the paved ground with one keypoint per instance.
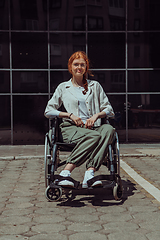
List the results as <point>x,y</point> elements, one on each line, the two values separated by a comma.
<point>26,214</point>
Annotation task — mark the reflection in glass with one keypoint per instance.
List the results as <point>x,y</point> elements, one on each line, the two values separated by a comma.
<point>5,120</point>
<point>143,81</point>
<point>66,15</point>
<point>28,15</point>
<point>143,50</point>
<point>4,82</point>
<point>145,118</point>
<point>4,15</point>
<point>106,15</point>
<point>111,81</point>
<point>29,123</point>
<point>62,46</point>
<point>30,82</point>
<point>29,50</point>
<point>145,14</point>
<point>57,78</point>
<point>4,50</point>
<point>107,50</point>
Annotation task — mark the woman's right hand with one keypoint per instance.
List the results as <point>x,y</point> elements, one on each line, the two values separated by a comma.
<point>77,120</point>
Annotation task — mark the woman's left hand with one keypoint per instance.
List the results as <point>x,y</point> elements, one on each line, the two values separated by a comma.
<point>90,122</point>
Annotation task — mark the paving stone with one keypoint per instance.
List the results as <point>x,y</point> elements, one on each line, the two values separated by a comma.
<point>155,216</point>
<point>150,225</point>
<point>16,212</point>
<point>87,236</point>
<point>48,228</point>
<point>85,227</point>
<point>82,218</point>
<point>115,217</point>
<point>11,229</point>
<point>153,235</point>
<point>137,209</point>
<point>15,220</point>
<point>120,226</point>
<point>48,219</point>
<point>112,209</point>
<point>50,211</point>
<point>126,235</point>
<point>54,236</point>
<point>13,237</point>
<point>80,211</point>
<point>139,202</point>
<point>21,200</point>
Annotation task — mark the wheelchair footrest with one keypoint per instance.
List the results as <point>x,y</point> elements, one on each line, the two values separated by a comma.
<point>100,177</point>
<point>58,178</point>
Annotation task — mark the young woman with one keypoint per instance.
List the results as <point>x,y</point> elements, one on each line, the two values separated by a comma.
<point>85,103</point>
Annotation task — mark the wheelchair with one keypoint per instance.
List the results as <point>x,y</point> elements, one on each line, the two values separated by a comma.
<point>54,145</point>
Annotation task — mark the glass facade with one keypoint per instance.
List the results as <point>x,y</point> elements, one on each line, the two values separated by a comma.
<point>122,41</point>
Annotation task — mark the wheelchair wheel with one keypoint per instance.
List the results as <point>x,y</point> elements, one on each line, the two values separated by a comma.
<point>53,194</point>
<point>47,157</point>
<point>117,192</point>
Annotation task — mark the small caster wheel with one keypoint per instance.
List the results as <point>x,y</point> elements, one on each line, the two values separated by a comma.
<point>53,194</point>
<point>117,192</point>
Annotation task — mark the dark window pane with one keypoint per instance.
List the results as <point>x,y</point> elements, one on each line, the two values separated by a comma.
<point>106,15</point>
<point>57,78</point>
<point>146,49</point>
<point>94,2</point>
<point>28,15</point>
<point>62,46</point>
<point>147,12</point>
<point>30,125</point>
<point>144,81</point>
<point>4,50</point>
<point>144,116</point>
<point>30,82</point>
<point>137,3</point>
<point>95,23</point>
<point>4,82</point>
<point>118,104</point>
<point>29,50</point>
<point>64,15</point>
<point>107,50</point>
<point>5,120</point>
<point>111,81</point>
<point>4,15</point>
<point>55,3</point>
<point>79,24</point>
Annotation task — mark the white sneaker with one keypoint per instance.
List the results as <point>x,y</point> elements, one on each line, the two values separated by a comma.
<point>65,183</point>
<point>89,175</point>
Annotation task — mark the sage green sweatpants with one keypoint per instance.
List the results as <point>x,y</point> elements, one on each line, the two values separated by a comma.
<point>91,145</point>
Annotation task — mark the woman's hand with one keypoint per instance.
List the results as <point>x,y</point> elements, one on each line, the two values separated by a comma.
<point>90,122</point>
<point>77,120</point>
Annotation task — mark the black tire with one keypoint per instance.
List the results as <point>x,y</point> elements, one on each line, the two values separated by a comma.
<point>53,194</point>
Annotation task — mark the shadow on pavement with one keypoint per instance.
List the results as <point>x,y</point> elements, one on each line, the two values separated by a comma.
<point>97,197</point>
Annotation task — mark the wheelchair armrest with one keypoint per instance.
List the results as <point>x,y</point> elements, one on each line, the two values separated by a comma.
<point>107,120</point>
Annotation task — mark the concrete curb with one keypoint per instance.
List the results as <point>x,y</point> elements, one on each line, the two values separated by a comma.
<point>21,157</point>
<point>42,156</point>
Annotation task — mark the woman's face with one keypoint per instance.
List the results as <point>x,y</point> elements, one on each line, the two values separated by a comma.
<point>78,67</point>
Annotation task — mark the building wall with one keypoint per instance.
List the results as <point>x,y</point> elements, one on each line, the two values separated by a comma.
<point>122,41</point>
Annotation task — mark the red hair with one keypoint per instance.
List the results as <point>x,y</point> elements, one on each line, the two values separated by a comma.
<point>77,55</point>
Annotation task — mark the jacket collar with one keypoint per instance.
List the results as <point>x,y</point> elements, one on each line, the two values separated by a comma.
<point>69,83</point>
<point>70,87</point>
